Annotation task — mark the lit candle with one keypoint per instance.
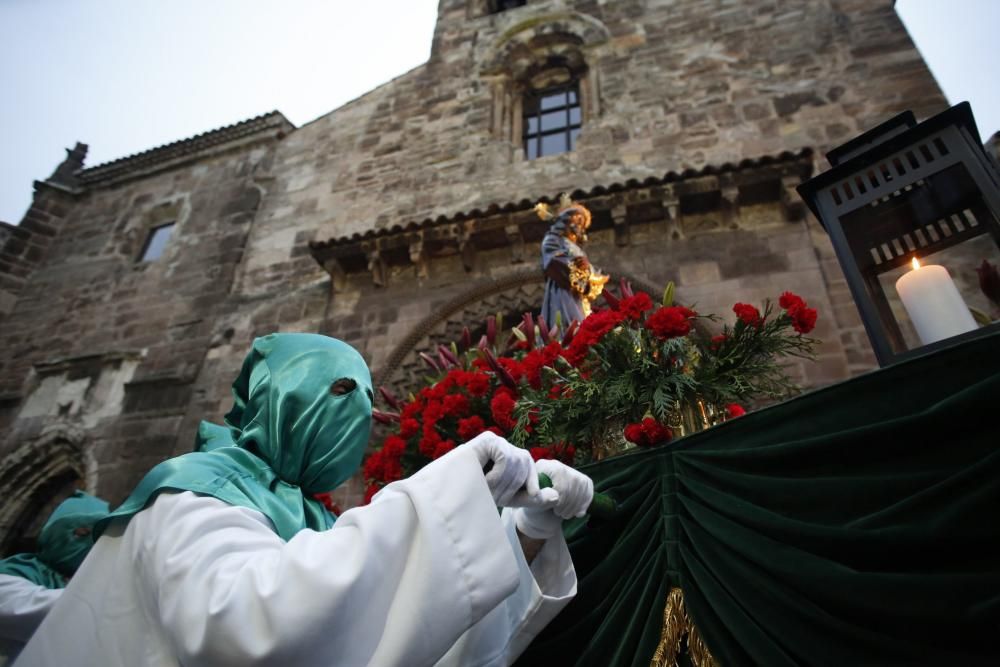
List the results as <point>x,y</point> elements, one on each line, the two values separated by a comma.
<point>933,303</point>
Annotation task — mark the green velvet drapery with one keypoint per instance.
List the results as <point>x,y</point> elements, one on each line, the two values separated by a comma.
<point>855,525</point>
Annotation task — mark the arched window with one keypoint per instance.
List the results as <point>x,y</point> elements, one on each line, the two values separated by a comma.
<point>544,80</point>
<point>552,119</point>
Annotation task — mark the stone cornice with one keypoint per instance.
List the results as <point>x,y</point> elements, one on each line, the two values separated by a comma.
<point>615,206</point>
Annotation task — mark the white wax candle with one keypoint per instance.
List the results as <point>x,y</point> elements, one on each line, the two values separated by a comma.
<point>934,304</point>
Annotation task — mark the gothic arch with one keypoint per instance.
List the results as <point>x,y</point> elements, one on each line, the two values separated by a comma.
<point>514,293</point>
<point>34,476</point>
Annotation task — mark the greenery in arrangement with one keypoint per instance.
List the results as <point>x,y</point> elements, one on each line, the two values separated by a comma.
<point>630,367</point>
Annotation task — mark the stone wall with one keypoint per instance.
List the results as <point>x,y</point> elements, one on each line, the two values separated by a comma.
<point>101,341</point>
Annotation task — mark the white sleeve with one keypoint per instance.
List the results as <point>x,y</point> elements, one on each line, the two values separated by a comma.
<point>544,588</point>
<point>23,606</point>
<point>393,583</point>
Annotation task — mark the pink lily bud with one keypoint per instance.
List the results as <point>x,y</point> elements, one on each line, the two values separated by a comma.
<point>384,417</point>
<point>511,342</point>
<point>543,330</point>
<point>612,300</point>
<point>484,343</point>
<point>570,332</point>
<point>431,361</point>
<point>626,289</point>
<point>466,339</point>
<point>491,330</point>
<point>528,327</point>
<point>389,398</point>
<point>446,356</point>
<point>502,373</point>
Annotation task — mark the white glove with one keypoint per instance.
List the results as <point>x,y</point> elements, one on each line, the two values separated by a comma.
<point>512,480</point>
<point>575,492</point>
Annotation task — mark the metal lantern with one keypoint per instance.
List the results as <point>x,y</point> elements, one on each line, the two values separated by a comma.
<point>913,211</point>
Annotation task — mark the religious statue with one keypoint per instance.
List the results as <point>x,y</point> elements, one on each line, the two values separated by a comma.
<point>571,282</point>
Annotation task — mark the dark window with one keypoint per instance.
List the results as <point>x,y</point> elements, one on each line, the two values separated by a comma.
<point>551,120</point>
<point>503,5</point>
<point>156,242</point>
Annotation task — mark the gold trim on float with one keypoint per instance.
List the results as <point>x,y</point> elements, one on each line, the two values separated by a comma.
<point>676,626</point>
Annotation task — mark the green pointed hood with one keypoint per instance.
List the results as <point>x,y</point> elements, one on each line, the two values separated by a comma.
<point>284,411</point>
<point>67,536</point>
<point>293,438</point>
<point>63,543</point>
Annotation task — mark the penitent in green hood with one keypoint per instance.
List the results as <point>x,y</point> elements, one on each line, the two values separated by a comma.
<point>285,413</point>
<point>63,543</point>
<point>290,436</point>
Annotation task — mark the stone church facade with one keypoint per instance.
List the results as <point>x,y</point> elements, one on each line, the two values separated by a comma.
<point>131,290</point>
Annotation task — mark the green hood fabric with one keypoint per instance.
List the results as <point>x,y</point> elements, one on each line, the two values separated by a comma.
<point>60,548</point>
<point>31,567</point>
<point>212,436</point>
<point>293,438</point>
<point>59,545</point>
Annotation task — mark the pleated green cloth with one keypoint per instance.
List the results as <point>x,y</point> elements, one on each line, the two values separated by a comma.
<point>855,525</point>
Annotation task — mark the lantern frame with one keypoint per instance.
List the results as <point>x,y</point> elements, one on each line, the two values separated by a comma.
<point>904,188</point>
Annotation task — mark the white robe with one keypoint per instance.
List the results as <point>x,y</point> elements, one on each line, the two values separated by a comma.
<point>194,581</point>
<point>23,606</point>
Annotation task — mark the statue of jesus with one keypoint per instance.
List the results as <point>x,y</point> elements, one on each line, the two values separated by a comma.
<point>571,282</point>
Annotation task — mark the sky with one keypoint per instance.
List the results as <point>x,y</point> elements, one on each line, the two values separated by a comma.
<point>124,76</point>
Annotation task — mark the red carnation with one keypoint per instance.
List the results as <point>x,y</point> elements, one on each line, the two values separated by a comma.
<point>455,405</point>
<point>634,434</point>
<point>373,468</point>
<point>408,428</point>
<point>470,427</point>
<point>717,342</point>
<point>670,322</point>
<point>748,314</point>
<point>648,432</point>
<point>477,384</point>
<point>655,432</point>
<point>502,409</point>
<point>538,453</point>
<point>370,492</point>
<point>803,318</point>
<point>734,410</point>
<point>789,299</point>
<point>633,307</point>
<point>429,442</point>
<point>394,446</point>
<point>443,448</point>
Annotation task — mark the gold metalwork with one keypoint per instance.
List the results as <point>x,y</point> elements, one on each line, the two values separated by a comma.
<point>693,416</point>
<point>676,626</point>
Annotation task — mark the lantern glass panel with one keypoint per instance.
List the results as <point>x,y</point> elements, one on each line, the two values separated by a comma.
<point>941,220</point>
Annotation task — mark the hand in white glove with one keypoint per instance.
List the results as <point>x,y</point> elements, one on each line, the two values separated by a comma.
<point>575,490</point>
<point>512,480</point>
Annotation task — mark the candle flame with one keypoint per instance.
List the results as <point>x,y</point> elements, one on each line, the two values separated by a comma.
<point>916,264</point>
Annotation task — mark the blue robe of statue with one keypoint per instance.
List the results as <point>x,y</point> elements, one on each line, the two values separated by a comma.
<point>567,273</point>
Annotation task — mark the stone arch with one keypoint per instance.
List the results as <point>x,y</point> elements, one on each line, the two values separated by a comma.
<point>515,292</point>
<point>35,477</point>
<point>561,32</point>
